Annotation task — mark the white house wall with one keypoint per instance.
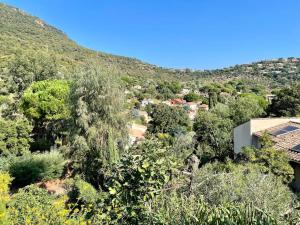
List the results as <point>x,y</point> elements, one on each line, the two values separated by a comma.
<point>242,137</point>
<point>243,133</point>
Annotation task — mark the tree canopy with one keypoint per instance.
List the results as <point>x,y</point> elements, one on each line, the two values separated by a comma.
<point>245,108</point>
<point>167,119</point>
<point>191,97</point>
<point>214,131</point>
<point>286,102</point>
<point>99,130</point>
<point>47,100</point>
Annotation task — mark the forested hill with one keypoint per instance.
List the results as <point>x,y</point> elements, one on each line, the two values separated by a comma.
<point>20,31</point>
<point>280,71</point>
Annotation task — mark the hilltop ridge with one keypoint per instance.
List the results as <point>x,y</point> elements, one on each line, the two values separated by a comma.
<point>21,31</point>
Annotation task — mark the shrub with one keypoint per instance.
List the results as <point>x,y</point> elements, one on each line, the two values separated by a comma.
<point>191,97</point>
<point>176,208</point>
<point>33,205</point>
<point>14,137</point>
<point>167,119</point>
<point>36,167</point>
<point>5,162</point>
<point>5,180</point>
<point>133,183</point>
<point>271,160</point>
<point>81,191</point>
<point>214,132</point>
<point>243,184</point>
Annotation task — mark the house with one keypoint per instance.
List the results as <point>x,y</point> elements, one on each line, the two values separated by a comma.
<point>146,102</point>
<point>136,133</point>
<point>185,91</point>
<point>203,107</point>
<point>137,87</point>
<point>192,114</point>
<point>177,101</point>
<point>126,92</point>
<point>193,105</point>
<point>167,102</point>
<point>285,133</point>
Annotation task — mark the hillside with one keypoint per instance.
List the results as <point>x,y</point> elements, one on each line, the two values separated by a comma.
<point>21,31</point>
<point>278,71</point>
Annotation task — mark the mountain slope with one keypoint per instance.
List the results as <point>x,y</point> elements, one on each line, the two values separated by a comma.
<point>20,31</point>
<point>280,71</point>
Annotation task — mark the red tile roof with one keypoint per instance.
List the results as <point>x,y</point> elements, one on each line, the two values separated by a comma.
<point>177,101</point>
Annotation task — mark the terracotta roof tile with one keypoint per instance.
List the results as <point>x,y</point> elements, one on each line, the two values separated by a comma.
<point>285,141</point>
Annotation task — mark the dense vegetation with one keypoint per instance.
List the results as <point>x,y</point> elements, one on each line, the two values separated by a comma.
<point>64,112</point>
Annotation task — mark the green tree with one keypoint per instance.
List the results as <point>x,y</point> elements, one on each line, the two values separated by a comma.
<point>260,99</point>
<point>164,92</point>
<point>214,131</point>
<point>46,103</point>
<point>99,130</point>
<point>191,97</point>
<point>134,182</point>
<point>14,136</point>
<point>270,159</point>
<point>245,108</point>
<point>287,102</point>
<point>213,99</point>
<point>28,67</point>
<point>175,87</point>
<point>167,119</point>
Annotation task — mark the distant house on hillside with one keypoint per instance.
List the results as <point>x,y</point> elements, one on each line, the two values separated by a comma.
<point>285,132</point>
<point>146,102</point>
<point>193,105</point>
<point>177,101</point>
<point>136,133</point>
<point>167,102</point>
<point>185,91</point>
<point>137,87</point>
<point>192,114</point>
<point>203,107</point>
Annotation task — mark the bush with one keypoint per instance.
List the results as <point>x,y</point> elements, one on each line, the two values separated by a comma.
<point>167,119</point>
<point>243,184</point>
<point>5,162</point>
<point>81,191</point>
<point>191,97</point>
<point>271,160</point>
<point>133,183</point>
<point>14,137</point>
<point>5,180</point>
<point>36,167</point>
<point>215,133</point>
<point>180,209</point>
<point>33,205</point>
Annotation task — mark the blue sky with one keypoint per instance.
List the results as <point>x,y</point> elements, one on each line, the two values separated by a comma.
<point>199,34</point>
